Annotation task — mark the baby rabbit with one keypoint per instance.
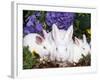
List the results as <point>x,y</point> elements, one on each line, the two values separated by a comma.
<point>80,47</point>
<point>52,47</point>
<point>37,43</point>
<point>62,40</point>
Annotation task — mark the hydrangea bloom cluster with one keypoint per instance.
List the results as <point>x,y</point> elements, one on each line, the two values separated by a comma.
<point>62,19</point>
<point>32,24</point>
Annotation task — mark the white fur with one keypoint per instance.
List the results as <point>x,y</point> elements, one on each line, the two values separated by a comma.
<point>30,40</point>
<point>52,48</point>
<point>80,47</point>
<point>62,40</point>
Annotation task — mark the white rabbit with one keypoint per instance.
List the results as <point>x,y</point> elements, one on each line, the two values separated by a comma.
<point>38,44</point>
<point>80,47</point>
<point>49,38</point>
<point>62,40</point>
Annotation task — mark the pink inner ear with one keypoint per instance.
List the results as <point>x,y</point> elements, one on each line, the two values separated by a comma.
<point>39,39</point>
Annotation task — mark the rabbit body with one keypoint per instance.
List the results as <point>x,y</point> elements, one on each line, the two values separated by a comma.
<point>62,39</point>
<point>80,47</point>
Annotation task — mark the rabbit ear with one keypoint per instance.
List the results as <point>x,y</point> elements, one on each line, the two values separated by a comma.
<point>69,33</point>
<point>39,40</point>
<point>45,33</point>
<point>84,38</point>
<point>77,41</point>
<point>55,32</point>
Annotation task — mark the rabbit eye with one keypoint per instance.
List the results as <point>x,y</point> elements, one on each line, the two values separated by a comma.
<point>83,48</point>
<point>44,47</point>
<point>56,48</point>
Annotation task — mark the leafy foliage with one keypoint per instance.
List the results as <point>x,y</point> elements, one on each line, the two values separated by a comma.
<point>82,25</point>
<point>29,59</point>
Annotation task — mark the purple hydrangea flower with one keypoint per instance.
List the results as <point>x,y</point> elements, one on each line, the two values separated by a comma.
<point>28,30</point>
<point>39,27</point>
<point>31,21</point>
<point>62,19</point>
<point>37,13</point>
<point>32,24</point>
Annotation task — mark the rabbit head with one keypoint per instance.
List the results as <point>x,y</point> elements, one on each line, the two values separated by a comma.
<point>62,40</point>
<point>37,43</point>
<point>83,45</point>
